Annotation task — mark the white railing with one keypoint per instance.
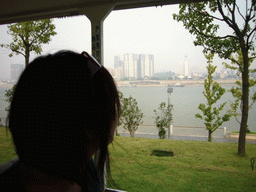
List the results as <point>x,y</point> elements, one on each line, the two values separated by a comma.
<point>204,131</point>
<point>179,131</point>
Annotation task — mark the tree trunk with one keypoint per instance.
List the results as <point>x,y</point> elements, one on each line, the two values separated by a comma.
<point>132,133</point>
<point>245,103</point>
<point>27,56</point>
<point>210,135</point>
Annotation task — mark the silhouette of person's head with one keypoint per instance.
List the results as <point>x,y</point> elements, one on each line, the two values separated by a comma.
<point>65,107</point>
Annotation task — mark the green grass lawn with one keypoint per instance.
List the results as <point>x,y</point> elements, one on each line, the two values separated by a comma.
<point>7,151</point>
<point>195,166</point>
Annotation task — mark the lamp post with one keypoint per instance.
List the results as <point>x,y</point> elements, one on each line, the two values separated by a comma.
<point>169,91</point>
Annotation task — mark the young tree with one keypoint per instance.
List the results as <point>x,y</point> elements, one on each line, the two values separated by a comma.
<point>202,20</point>
<point>9,95</point>
<point>29,36</point>
<point>121,97</point>
<point>131,115</point>
<point>237,64</point>
<point>163,119</point>
<point>213,92</point>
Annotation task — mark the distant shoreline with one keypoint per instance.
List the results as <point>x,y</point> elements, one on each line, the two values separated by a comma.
<point>186,83</point>
<point>4,85</point>
<point>162,83</point>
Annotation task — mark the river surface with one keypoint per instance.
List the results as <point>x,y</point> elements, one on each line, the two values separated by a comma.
<point>185,101</point>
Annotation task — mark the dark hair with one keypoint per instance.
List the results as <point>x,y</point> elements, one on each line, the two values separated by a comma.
<point>55,103</point>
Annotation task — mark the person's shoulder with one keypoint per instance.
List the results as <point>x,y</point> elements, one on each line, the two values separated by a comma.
<point>9,176</point>
<point>7,165</point>
<point>93,177</point>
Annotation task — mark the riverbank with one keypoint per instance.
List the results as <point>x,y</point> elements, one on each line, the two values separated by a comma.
<point>236,136</point>
<point>159,83</point>
<point>230,138</point>
<point>5,85</point>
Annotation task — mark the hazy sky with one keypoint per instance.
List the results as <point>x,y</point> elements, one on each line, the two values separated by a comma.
<point>145,30</point>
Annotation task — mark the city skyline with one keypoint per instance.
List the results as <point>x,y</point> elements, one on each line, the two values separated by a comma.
<point>144,30</point>
<point>133,66</point>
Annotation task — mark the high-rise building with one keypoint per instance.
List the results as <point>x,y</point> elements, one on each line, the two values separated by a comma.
<point>135,66</point>
<point>111,71</point>
<point>184,69</point>
<point>142,65</point>
<point>131,65</point>
<point>119,63</point>
<point>149,65</point>
<point>126,65</point>
<point>118,73</point>
<point>116,61</point>
<point>16,70</point>
<point>139,68</point>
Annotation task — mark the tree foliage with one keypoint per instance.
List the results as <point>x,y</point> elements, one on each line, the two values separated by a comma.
<point>201,19</point>
<point>163,119</point>
<point>205,20</point>
<point>212,92</point>
<point>29,36</point>
<point>131,115</point>
<point>9,96</point>
<point>236,91</point>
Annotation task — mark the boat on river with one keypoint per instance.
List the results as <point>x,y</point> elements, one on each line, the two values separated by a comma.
<point>176,85</point>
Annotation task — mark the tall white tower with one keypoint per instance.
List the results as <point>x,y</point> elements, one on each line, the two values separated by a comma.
<point>186,69</point>
<point>149,65</point>
<point>142,64</point>
<point>126,65</point>
<point>131,65</point>
<point>181,69</point>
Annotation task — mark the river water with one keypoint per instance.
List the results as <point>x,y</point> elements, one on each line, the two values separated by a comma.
<point>185,101</point>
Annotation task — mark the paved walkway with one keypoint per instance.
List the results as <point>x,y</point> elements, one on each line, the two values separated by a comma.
<point>236,136</point>
<point>192,138</point>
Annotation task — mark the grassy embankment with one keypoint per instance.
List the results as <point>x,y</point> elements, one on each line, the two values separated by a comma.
<point>195,166</point>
